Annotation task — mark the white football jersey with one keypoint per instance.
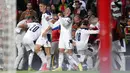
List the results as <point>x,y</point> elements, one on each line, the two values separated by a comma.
<point>33,32</point>
<point>55,26</point>
<point>65,32</point>
<point>82,37</point>
<point>19,33</point>
<point>66,28</point>
<point>18,29</point>
<point>45,21</point>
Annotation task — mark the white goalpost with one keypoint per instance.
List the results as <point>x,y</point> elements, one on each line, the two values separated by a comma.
<point>7,25</point>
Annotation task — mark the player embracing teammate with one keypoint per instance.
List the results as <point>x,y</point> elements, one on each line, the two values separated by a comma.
<point>57,28</point>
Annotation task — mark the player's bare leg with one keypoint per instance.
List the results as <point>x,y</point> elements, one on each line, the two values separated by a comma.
<point>48,56</point>
<point>30,59</point>
<point>61,58</point>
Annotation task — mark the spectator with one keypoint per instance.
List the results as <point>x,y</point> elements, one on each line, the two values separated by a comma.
<point>49,10</point>
<point>53,9</point>
<point>77,21</point>
<point>55,2</point>
<point>19,12</point>
<point>76,25</point>
<point>21,4</point>
<point>90,15</point>
<point>78,10</point>
<point>34,4</point>
<point>127,8</point>
<point>116,8</point>
<point>28,12</point>
<point>89,3</point>
<point>63,6</point>
<point>83,4</point>
<point>94,7</point>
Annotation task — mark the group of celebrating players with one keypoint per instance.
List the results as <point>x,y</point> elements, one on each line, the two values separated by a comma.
<point>75,45</point>
<point>57,28</point>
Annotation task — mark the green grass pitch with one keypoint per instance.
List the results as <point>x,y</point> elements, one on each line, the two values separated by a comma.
<point>62,72</point>
<point>72,72</point>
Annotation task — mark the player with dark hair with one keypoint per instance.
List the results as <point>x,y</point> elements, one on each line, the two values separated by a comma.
<point>81,42</point>
<point>65,43</point>
<point>45,38</point>
<point>20,31</point>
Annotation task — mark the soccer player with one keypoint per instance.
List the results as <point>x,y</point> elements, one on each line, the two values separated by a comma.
<point>93,39</point>
<point>118,47</point>
<point>45,38</point>
<point>81,42</point>
<point>32,34</point>
<point>55,33</point>
<point>55,40</point>
<point>65,40</point>
<point>20,31</point>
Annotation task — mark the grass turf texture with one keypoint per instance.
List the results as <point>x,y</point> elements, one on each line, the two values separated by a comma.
<point>63,72</point>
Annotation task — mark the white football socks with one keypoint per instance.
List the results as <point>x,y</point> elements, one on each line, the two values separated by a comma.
<point>42,57</point>
<point>48,61</point>
<point>89,62</point>
<point>61,57</point>
<point>30,58</point>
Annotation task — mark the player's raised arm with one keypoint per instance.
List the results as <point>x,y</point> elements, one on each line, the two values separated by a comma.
<point>46,31</point>
<point>91,32</point>
<point>24,24</point>
<point>66,21</point>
